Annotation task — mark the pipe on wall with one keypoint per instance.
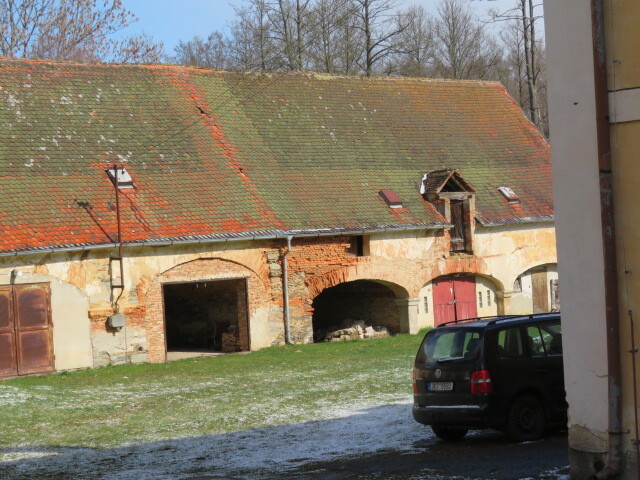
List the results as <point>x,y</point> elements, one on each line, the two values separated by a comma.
<point>285,292</point>
<point>614,370</point>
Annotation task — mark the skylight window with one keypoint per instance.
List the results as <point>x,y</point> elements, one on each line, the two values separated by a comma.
<point>509,194</point>
<point>124,179</point>
<point>392,198</point>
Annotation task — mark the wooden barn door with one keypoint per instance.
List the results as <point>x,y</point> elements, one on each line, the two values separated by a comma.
<point>465,292</point>
<point>454,299</point>
<point>26,340</point>
<point>444,307</point>
<point>540,292</point>
<point>8,362</point>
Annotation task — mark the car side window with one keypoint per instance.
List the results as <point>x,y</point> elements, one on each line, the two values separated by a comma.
<point>510,343</point>
<point>534,341</point>
<point>552,338</point>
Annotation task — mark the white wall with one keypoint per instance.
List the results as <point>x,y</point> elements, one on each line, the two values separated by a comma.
<point>574,151</point>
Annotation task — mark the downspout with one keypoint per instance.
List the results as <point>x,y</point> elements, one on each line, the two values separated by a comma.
<point>119,222</point>
<point>614,464</point>
<point>285,292</point>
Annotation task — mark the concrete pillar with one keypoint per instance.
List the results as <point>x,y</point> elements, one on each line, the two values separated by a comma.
<point>408,314</point>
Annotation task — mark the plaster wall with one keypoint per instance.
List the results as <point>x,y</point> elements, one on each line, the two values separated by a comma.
<point>69,316</point>
<point>406,262</point>
<point>408,245</point>
<point>509,251</point>
<point>574,150</point>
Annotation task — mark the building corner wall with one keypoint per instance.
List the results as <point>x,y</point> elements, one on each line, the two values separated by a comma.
<point>581,265</point>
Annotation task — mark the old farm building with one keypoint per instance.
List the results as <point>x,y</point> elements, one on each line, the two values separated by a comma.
<point>252,209</point>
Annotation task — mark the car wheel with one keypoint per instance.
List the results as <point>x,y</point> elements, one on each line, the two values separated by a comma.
<point>526,419</point>
<point>450,434</point>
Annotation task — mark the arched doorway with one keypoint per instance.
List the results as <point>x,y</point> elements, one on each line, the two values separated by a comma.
<point>206,316</point>
<point>536,290</point>
<point>346,304</point>
<point>458,297</point>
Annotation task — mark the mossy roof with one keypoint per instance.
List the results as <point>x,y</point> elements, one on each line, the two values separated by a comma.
<point>220,153</point>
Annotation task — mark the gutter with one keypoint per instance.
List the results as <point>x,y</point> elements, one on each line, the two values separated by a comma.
<point>614,369</point>
<point>285,292</point>
<point>275,234</point>
<point>517,221</point>
<point>205,239</point>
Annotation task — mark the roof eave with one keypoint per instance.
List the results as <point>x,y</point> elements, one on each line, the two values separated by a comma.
<point>234,237</point>
<point>516,221</point>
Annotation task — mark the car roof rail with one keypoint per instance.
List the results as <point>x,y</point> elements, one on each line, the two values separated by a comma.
<point>531,316</point>
<point>475,319</point>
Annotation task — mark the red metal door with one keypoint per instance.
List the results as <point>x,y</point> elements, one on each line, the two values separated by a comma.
<point>454,299</point>
<point>33,328</point>
<point>8,364</point>
<point>444,309</point>
<point>464,289</point>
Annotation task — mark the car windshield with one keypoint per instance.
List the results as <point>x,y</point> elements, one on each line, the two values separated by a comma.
<point>444,346</point>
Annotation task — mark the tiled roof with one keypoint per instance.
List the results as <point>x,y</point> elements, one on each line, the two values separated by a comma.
<point>216,153</point>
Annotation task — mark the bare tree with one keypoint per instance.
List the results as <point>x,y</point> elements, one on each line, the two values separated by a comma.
<point>464,50</point>
<point>335,39</point>
<point>71,30</point>
<point>214,52</point>
<point>523,16</point>
<point>290,26</point>
<point>252,46</point>
<point>416,43</point>
<point>139,49</point>
<point>324,51</point>
<point>379,30</point>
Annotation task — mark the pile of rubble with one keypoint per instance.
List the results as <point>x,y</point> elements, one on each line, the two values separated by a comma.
<point>356,331</point>
<point>230,340</point>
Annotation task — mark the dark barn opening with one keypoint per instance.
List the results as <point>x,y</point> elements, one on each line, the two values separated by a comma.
<point>361,300</point>
<point>206,316</point>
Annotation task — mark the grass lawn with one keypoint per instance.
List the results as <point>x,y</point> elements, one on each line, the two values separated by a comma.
<point>128,404</point>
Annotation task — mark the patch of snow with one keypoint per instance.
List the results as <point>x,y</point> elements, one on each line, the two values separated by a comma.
<point>250,454</point>
<point>12,395</point>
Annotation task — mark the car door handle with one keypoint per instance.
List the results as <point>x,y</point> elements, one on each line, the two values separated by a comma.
<point>542,370</point>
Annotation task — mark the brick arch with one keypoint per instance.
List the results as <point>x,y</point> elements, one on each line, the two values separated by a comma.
<point>450,266</point>
<point>197,270</point>
<point>398,280</point>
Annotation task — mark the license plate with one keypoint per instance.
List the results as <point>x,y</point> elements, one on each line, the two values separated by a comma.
<point>440,386</point>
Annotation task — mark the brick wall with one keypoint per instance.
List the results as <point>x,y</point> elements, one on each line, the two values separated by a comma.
<point>315,264</point>
<point>198,271</point>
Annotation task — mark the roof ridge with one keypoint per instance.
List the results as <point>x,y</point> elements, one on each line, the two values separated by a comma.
<point>194,68</point>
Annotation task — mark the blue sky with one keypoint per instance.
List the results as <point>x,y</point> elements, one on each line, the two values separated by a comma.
<point>172,20</point>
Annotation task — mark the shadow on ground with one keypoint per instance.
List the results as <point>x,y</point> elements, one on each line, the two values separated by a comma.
<point>381,442</point>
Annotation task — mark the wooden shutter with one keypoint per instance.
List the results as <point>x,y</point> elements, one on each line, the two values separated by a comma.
<point>8,364</point>
<point>457,232</point>
<point>33,328</point>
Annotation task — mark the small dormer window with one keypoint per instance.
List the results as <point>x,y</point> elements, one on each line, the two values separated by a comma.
<point>392,198</point>
<point>124,179</point>
<point>509,194</point>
